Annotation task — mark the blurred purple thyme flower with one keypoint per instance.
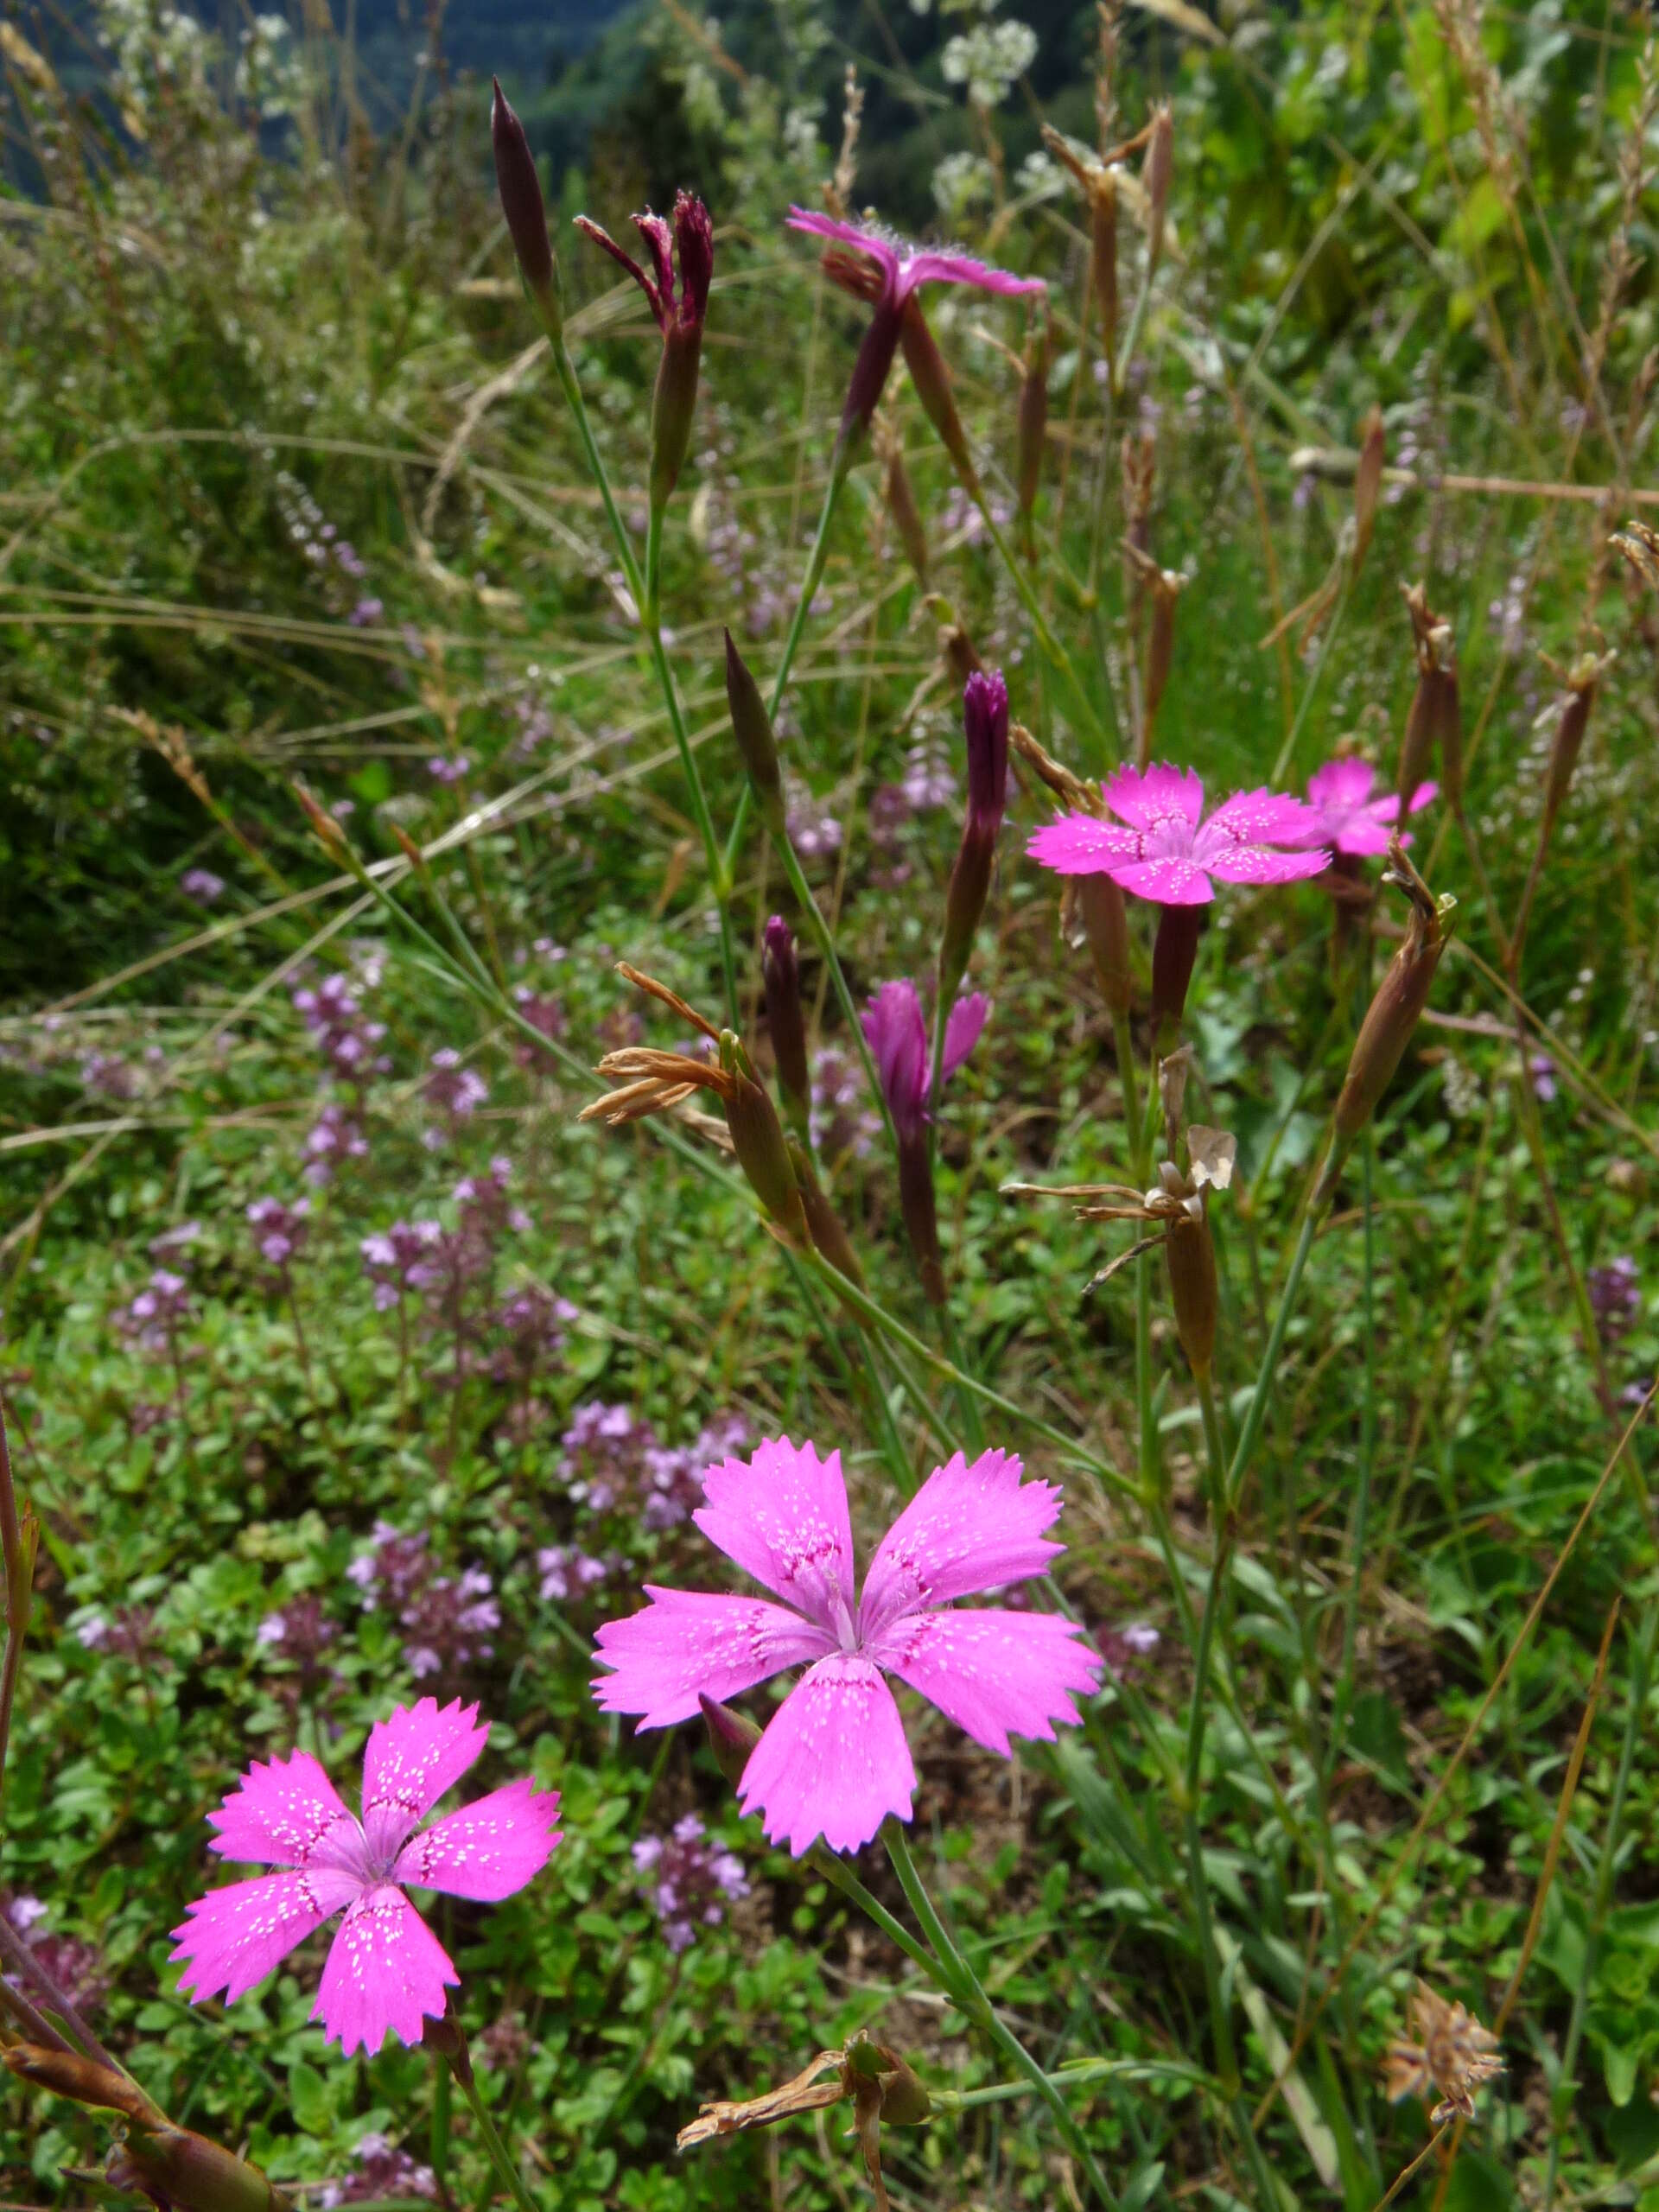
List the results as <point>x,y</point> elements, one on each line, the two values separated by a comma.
<point>542,1013</point>
<point>1541,1069</point>
<point>448,1620</point>
<point>339,1028</point>
<point>453,1091</point>
<point>845,1122</point>
<point>382,2167</point>
<point>202,884</point>
<point>533,1320</point>
<point>445,771</point>
<point>691,1880</point>
<point>568,1571</point>
<point>367,612</point>
<point>158,1312</point>
<point>74,1967</point>
<point>333,1136</point>
<point>278,1229</point>
<point>399,1260</point>
<point>176,1242</point>
<point>1615,1294</point>
<point>110,1076</point>
<point>129,1632</point>
<point>604,1447</point>
<point>1124,1649</point>
<point>813,830</point>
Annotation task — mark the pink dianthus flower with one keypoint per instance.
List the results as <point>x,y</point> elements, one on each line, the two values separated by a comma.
<point>833,1761</point>
<point>1162,848</point>
<point>386,1969</point>
<point>1346,817</point>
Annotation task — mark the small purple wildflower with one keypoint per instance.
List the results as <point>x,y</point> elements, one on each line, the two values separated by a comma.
<point>382,2167</point>
<point>367,612</point>
<point>158,1312</point>
<point>399,1260</point>
<point>1542,1071</point>
<point>568,1571</point>
<point>451,1091</point>
<point>691,1880</point>
<point>74,1967</point>
<point>813,830</point>
<point>109,1076</point>
<point>442,770</point>
<point>345,1037</point>
<point>333,1136</point>
<point>278,1229</point>
<point>844,1122</point>
<point>1614,1295</point>
<point>201,885</point>
<point>448,1620</point>
<point>1124,1649</point>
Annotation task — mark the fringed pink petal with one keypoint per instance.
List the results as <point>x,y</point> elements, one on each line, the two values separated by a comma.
<point>385,1970</point>
<point>288,1813</point>
<point>967,1528</point>
<point>928,267</point>
<point>1081,844</point>
<point>411,1759</point>
<point>1258,817</point>
<point>995,1673</point>
<point>488,1849</point>
<point>686,1644</point>
<point>1342,784</point>
<point>1166,882</point>
<point>1259,864</point>
<point>781,1514</point>
<point>1154,798</point>
<point>834,1761</point>
<point>232,1938</point>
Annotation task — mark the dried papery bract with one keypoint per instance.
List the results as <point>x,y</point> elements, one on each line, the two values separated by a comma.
<point>652,1082</point>
<point>173,2166</point>
<point>1447,2051</point>
<point>882,2087</point>
<point>520,187</point>
<point>1435,721</point>
<point>1393,1013</point>
<point>1352,543</point>
<point>1157,174</point>
<point>1639,545</point>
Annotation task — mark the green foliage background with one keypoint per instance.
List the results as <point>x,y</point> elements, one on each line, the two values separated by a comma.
<point>215,320</point>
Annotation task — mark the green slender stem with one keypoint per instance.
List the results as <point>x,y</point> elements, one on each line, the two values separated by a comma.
<point>820,932</point>
<point>839,468</point>
<point>836,1871</point>
<point>1081,705</point>
<point>1215,1449</point>
<point>851,1294</point>
<point>645,589</point>
<point>1367,1464</point>
<point>974,1429</point>
<point>1287,750</point>
<point>501,2156</point>
<point>1606,1868</point>
<point>1221,2017</point>
<point>964,1986</point>
<point>1081,2074</point>
<point>1256,1412</point>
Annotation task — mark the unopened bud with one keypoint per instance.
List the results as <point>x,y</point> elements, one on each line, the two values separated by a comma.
<point>675,399</point>
<point>781,969</point>
<point>732,1737</point>
<point>1435,723</point>
<point>751,728</point>
<point>1393,1013</point>
<point>758,1139</point>
<point>985,721</point>
<point>1157,171</point>
<point>520,188</point>
<point>932,381</point>
<point>1367,483</point>
<point>1174,949</point>
<point>1033,422</point>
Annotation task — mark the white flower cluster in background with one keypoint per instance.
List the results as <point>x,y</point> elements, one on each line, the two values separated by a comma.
<point>988,58</point>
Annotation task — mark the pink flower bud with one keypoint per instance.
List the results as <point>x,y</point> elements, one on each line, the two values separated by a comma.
<point>520,188</point>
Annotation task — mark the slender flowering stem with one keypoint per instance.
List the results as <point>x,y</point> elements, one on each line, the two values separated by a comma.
<point>823,938</point>
<point>644,589</point>
<point>1079,2073</point>
<point>1215,1448</point>
<point>839,469</point>
<point>1367,1459</point>
<point>1287,750</point>
<point>963,1985</point>
<point>18,1537</point>
<point>851,1294</point>
<point>500,2158</point>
